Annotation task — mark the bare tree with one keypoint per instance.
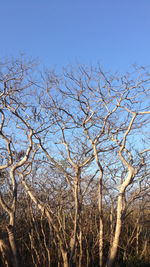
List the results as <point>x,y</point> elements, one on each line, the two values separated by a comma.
<point>12,157</point>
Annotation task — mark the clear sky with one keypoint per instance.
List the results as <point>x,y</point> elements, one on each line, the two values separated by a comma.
<point>113,32</point>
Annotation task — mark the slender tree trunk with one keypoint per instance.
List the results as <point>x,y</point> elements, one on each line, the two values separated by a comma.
<point>137,237</point>
<point>81,249</point>
<point>10,227</point>
<point>100,206</point>
<point>114,246</point>
<point>111,224</point>
<point>65,257</point>
<point>74,238</point>
<point>100,220</point>
<point>77,212</point>
<point>87,257</point>
<point>12,242</point>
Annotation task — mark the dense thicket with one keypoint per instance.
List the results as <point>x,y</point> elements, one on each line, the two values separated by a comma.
<point>38,244</point>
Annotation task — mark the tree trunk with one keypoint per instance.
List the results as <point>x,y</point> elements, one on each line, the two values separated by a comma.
<point>77,214</point>
<point>100,221</point>
<point>111,224</point>
<point>137,237</point>
<point>12,242</point>
<point>81,249</point>
<point>65,257</point>
<point>114,247</point>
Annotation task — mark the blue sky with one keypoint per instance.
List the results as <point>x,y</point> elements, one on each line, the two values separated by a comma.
<point>114,32</point>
